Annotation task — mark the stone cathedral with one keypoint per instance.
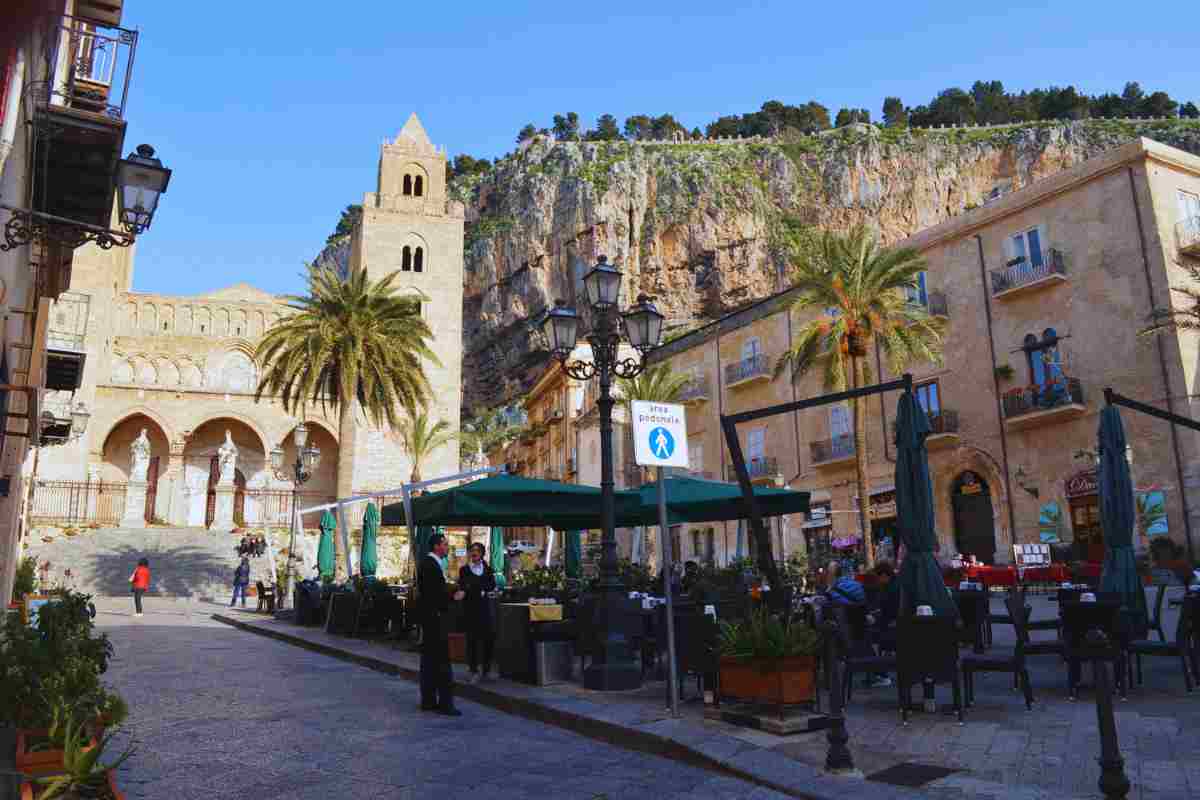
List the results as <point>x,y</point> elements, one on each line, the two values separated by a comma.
<point>170,380</point>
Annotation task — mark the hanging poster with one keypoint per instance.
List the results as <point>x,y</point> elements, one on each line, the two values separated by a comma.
<point>1152,513</point>
<point>1049,523</point>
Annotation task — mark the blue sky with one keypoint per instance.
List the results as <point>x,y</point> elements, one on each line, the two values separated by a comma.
<point>271,114</point>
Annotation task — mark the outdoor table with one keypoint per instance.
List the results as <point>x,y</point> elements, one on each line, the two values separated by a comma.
<point>1078,618</point>
<point>1054,573</point>
<point>973,607</point>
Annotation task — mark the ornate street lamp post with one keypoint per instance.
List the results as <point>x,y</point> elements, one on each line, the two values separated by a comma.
<point>613,667</point>
<point>308,458</point>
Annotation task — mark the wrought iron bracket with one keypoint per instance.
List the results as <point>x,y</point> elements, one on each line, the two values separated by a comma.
<point>25,226</point>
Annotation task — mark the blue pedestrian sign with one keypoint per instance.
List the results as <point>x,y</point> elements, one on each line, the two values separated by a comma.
<point>659,434</point>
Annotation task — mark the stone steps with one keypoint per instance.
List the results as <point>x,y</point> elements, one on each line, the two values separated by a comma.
<point>183,561</point>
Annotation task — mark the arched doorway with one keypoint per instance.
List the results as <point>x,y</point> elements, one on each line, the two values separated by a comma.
<point>116,460</point>
<point>974,528</point>
<point>239,495</point>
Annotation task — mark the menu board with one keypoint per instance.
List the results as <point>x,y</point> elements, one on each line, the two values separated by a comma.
<point>1031,555</point>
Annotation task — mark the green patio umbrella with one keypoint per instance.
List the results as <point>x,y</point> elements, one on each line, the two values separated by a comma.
<point>699,500</point>
<point>920,578</point>
<point>1117,516</point>
<point>496,555</point>
<point>368,560</point>
<point>740,552</point>
<point>420,543</point>
<point>573,544</point>
<point>326,559</point>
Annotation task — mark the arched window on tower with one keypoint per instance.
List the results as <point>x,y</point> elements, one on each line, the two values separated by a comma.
<point>408,188</point>
<point>419,257</point>
<point>406,259</point>
<point>418,188</point>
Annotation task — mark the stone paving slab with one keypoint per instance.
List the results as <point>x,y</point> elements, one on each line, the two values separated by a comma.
<point>1002,750</point>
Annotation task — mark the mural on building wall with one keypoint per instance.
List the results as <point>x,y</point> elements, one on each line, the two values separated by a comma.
<point>1050,523</point>
<point>1152,513</point>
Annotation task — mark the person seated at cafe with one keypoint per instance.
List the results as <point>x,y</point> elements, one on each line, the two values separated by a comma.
<point>889,606</point>
<point>842,589</point>
<point>676,583</point>
<point>691,576</point>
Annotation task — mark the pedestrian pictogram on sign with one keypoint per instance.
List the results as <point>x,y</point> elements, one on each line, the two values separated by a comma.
<point>662,442</point>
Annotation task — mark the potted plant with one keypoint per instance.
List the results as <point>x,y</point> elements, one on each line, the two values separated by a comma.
<point>83,776</point>
<point>43,750</point>
<point>766,660</point>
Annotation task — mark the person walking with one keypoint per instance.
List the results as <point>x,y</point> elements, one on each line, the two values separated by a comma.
<point>475,579</point>
<point>433,599</point>
<point>139,582</point>
<point>241,579</point>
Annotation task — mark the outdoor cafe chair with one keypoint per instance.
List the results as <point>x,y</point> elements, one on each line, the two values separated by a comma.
<point>1078,618</point>
<point>1006,618</point>
<point>1155,620</point>
<point>1176,649</point>
<point>927,651</point>
<point>993,662</point>
<point>856,651</point>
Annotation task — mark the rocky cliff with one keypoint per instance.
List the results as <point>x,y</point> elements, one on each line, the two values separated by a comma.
<point>698,225</point>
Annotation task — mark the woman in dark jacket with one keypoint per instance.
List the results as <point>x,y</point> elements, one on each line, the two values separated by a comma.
<point>475,580</point>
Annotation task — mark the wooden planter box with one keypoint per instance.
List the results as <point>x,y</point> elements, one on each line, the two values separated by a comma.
<point>784,681</point>
<point>38,762</point>
<point>458,648</point>
<point>28,793</point>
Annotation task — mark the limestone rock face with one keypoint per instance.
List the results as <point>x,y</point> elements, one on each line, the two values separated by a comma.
<point>699,225</point>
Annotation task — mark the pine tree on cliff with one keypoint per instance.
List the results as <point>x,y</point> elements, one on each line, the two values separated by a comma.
<point>858,293</point>
<point>346,344</point>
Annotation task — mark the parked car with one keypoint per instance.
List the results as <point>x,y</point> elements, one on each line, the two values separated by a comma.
<point>521,546</point>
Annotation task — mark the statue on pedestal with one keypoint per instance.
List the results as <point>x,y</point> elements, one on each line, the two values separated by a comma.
<point>140,456</point>
<point>227,460</point>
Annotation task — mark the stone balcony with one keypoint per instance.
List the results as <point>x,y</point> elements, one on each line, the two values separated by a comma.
<point>832,452</point>
<point>696,391</point>
<point>762,470</point>
<point>1187,234</point>
<point>747,371</point>
<point>1023,275</point>
<point>1034,406</point>
<point>943,429</point>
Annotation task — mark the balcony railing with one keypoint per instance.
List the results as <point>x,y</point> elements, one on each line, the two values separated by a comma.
<point>934,304</point>
<point>765,467</point>
<point>835,449</point>
<point>1032,399</point>
<point>1187,233</point>
<point>1024,271</point>
<point>695,391</point>
<point>92,68</point>
<point>756,366</point>
<point>67,326</point>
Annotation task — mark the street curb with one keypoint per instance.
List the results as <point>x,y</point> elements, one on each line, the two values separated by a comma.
<point>608,732</point>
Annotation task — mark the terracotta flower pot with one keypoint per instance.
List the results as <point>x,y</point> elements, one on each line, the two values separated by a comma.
<point>38,762</point>
<point>780,681</point>
<point>27,789</point>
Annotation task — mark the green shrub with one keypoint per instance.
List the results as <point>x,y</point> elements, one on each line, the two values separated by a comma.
<point>26,578</point>
<point>763,636</point>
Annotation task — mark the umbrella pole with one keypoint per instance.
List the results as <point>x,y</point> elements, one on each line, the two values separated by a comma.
<point>664,537</point>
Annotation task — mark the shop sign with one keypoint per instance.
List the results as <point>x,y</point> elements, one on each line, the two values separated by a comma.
<point>970,484</point>
<point>1082,483</point>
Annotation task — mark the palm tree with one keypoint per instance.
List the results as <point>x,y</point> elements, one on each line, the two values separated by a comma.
<point>858,290</point>
<point>421,438</point>
<point>348,342</point>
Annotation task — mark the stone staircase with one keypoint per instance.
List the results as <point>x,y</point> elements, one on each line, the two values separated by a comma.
<point>183,561</point>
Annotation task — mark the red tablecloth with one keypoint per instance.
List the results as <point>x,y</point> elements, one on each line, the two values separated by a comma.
<point>1007,576</point>
<point>1053,573</point>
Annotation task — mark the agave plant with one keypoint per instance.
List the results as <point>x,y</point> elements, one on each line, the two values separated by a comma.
<point>84,777</point>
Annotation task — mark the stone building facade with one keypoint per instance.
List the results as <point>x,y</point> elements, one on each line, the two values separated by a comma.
<point>1044,291</point>
<point>182,368</point>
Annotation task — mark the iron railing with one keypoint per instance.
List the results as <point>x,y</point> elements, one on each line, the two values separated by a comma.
<point>833,449</point>
<point>695,389</point>
<point>274,506</point>
<point>1024,271</point>
<point>753,367</point>
<point>91,67</point>
<point>72,502</point>
<point>943,421</point>
<point>765,467</point>
<point>68,323</point>
<point>1187,233</point>
<point>1041,398</point>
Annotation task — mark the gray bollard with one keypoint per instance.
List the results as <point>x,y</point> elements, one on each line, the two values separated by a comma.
<point>1113,781</point>
<point>838,758</point>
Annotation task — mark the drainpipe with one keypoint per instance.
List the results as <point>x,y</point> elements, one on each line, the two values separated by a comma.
<point>987,307</point>
<point>1162,366</point>
<point>12,105</point>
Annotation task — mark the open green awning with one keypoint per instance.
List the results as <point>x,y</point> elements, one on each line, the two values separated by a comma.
<point>698,500</point>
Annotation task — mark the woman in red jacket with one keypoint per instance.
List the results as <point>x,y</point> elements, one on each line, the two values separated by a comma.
<point>139,581</point>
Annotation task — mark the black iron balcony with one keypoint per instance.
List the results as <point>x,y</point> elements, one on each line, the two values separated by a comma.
<point>695,391</point>
<point>1026,273</point>
<point>934,304</point>
<point>943,428</point>
<point>832,451</point>
<point>92,67</point>
<point>66,335</point>
<point>1051,402</point>
<point>754,368</point>
<point>1187,233</point>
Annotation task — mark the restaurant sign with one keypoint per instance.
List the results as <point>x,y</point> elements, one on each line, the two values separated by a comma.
<point>1082,483</point>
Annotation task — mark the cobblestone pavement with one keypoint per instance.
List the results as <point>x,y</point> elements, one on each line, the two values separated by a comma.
<point>217,713</point>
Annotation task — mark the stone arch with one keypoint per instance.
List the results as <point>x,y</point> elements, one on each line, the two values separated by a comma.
<point>168,372</point>
<point>415,181</point>
<point>970,458</point>
<point>144,371</point>
<point>258,324</point>
<point>240,323</point>
<point>324,480</point>
<point>122,371</point>
<point>190,375</point>
<point>418,186</point>
<point>238,372</point>
<point>237,416</point>
<point>167,321</point>
<point>221,322</point>
<point>203,321</point>
<point>150,414</point>
<point>414,255</point>
<point>183,323</point>
<point>199,453</point>
<point>150,318</point>
<point>130,317</point>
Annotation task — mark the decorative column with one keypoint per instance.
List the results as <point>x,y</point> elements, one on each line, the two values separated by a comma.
<point>225,489</point>
<point>135,491</point>
<point>177,479</point>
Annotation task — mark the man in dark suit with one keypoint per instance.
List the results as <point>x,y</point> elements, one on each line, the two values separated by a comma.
<point>433,599</point>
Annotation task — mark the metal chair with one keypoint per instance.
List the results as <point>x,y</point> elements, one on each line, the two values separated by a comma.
<point>857,653</point>
<point>1014,663</point>
<point>1180,648</point>
<point>1155,621</point>
<point>927,651</point>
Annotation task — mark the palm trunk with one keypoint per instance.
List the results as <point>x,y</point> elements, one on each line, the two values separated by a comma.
<point>345,475</point>
<point>860,463</point>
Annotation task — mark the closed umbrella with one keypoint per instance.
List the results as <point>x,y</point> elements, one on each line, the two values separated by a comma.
<point>574,555</point>
<point>368,559</point>
<point>1117,516</point>
<point>420,545</point>
<point>920,578</point>
<point>740,552</point>
<point>326,559</point>
<point>496,550</point>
